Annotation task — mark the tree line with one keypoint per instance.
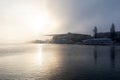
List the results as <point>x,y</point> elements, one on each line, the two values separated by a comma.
<point>112,32</point>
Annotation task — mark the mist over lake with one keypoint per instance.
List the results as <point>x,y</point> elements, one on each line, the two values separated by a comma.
<point>59,62</point>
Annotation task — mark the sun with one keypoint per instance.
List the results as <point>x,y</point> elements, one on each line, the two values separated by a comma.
<point>41,22</point>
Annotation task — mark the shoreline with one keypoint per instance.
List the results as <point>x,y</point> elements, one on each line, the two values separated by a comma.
<point>115,44</point>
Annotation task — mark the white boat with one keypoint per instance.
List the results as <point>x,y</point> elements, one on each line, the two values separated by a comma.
<point>98,41</point>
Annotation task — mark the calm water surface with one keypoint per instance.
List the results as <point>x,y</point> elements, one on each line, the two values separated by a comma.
<point>59,62</point>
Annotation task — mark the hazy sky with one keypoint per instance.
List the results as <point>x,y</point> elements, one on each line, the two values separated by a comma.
<point>24,20</point>
<point>82,15</point>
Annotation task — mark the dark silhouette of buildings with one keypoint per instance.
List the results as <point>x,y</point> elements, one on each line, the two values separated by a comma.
<point>69,38</point>
<point>116,37</point>
<point>113,35</point>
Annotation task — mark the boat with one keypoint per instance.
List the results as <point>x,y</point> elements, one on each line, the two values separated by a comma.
<point>98,41</point>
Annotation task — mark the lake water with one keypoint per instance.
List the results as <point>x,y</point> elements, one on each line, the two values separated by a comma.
<point>59,62</point>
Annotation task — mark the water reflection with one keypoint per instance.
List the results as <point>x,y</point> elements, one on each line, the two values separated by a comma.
<point>112,56</point>
<point>95,54</point>
<point>48,62</point>
<point>36,61</point>
<point>39,55</point>
<point>60,62</point>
